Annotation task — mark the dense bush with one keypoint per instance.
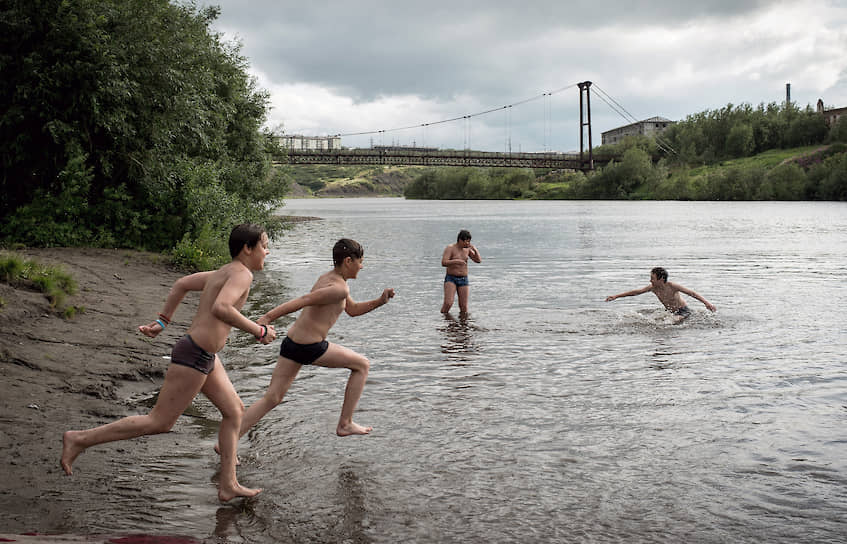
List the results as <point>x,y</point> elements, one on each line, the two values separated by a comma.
<point>471,183</point>
<point>127,123</point>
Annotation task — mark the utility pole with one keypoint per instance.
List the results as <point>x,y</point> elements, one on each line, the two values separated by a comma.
<point>584,89</point>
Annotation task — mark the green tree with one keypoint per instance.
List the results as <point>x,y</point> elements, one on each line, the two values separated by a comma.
<point>135,108</point>
<point>477,186</point>
<point>838,132</point>
<point>785,182</point>
<point>832,177</point>
<point>739,141</point>
<point>806,128</point>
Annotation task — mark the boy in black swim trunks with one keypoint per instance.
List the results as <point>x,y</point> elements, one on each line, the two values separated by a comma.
<point>668,294</point>
<point>195,367</point>
<point>306,342</point>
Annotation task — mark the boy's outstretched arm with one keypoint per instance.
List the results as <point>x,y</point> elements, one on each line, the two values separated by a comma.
<point>354,308</point>
<point>632,293</point>
<point>692,294</point>
<point>224,307</point>
<point>324,295</point>
<point>191,282</point>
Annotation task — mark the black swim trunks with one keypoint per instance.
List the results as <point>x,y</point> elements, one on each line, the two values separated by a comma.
<point>305,354</point>
<point>683,312</point>
<point>187,353</point>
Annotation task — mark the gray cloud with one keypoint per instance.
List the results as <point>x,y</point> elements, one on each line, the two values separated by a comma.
<point>657,58</point>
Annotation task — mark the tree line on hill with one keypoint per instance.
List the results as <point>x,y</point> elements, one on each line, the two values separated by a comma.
<point>710,155</point>
<point>129,123</point>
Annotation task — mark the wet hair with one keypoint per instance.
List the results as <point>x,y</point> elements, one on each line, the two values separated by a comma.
<point>245,234</point>
<point>660,273</point>
<point>464,235</point>
<point>346,248</point>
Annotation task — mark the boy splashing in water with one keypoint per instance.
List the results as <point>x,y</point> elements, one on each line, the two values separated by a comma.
<point>668,294</point>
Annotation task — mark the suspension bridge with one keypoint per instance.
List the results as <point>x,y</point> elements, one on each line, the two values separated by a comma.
<point>420,156</point>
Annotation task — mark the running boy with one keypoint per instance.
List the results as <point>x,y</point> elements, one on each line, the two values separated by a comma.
<point>455,259</point>
<point>306,342</point>
<point>195,366</point>
<point>668,294</point>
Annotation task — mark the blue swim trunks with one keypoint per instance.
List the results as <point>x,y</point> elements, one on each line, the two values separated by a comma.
<point>460,281</point>
<point>684,311</point>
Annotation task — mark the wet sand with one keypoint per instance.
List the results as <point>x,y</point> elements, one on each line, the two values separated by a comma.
<point>59,374</point>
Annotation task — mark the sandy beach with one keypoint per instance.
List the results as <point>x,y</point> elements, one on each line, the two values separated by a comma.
<point>61,374</point>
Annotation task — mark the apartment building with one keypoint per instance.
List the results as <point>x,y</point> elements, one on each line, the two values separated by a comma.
<point>648,127</point>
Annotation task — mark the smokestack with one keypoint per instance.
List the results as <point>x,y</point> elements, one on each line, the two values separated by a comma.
<point>788,94</point>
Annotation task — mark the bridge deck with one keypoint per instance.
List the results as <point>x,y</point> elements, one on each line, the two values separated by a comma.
<point>394,157</point>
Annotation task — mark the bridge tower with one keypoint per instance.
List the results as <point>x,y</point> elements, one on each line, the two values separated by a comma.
<point>584,90</point>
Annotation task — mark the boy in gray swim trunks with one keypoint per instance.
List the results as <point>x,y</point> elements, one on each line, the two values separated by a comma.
<point>455,260</point>
<point>306,342</point>
<point>668,294</point>
<point>195,366</point>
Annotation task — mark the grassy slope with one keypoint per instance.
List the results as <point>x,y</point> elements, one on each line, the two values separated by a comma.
<point>329,180</point>
<point>768,159</point>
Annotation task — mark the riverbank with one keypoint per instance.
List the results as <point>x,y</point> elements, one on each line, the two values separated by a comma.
<point>61,373</point>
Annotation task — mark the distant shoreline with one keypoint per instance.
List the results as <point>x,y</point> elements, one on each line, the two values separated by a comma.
<point>298,218</point>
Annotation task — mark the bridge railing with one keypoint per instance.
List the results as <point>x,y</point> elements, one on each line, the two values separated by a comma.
<point>438,157</point>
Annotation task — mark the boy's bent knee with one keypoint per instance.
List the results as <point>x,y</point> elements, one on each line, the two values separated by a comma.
<point>235,411</point>
<point>361,364</point>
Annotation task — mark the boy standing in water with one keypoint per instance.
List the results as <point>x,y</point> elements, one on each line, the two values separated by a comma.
<point>195,366</point>
<point>305,342</point>
<point>668,294</point>
<point>455,259</point>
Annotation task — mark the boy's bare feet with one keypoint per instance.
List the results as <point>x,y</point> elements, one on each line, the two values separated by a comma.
<point>238,490</point>
<point>351,429</point>
<point>70,450</point>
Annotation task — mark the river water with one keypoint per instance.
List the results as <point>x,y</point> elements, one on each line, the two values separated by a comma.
<point>548,414</point>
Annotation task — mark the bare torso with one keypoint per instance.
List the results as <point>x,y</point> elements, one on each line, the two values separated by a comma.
<point>315,321</point>
<point>207,331</point>
<point>668,294</point>
<point>455,253</point>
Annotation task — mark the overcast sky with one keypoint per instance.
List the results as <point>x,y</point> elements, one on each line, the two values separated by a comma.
<point>337,67</point>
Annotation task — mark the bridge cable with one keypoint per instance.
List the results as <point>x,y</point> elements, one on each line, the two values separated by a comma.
<point>466,118</point>
<point>663,144</point>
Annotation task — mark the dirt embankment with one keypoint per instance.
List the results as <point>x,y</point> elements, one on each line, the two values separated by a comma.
<point>59,373</point>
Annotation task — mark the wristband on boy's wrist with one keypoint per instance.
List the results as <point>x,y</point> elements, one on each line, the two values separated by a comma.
<point>264,329</point>
<point>165,318</point>
<point>161,323</point>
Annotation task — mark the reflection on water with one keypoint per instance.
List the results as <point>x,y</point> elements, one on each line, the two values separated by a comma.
<point>354,514</point>
<point>546,414</point>
<point>228,520</point>
<point>458,337</point>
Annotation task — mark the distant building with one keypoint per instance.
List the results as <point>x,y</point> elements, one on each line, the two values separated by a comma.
<point>296,141</point>
<point>831,116</point>
<point>648,127</point>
